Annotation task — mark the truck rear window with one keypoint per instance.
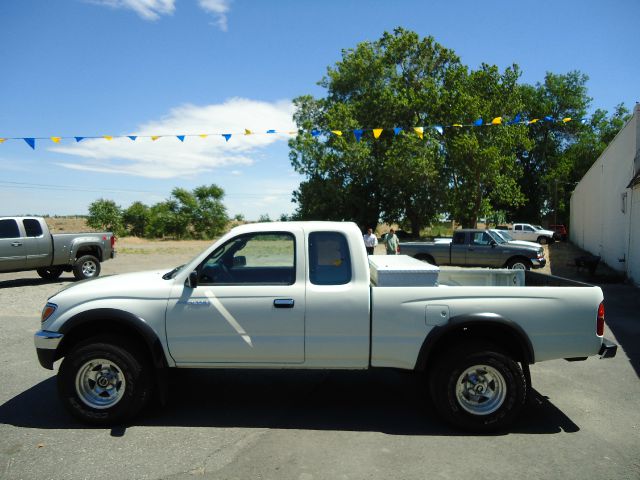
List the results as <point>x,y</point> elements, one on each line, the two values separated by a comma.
<point>32,227</point>
<point>329,259</point>
<point>9,229</point>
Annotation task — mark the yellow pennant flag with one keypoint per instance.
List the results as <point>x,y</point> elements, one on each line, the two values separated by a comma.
<point>154,137</point>
<point>457,125</point>
<point>247,131</point>
<point>56,139</point>
<point>337,132</point>
<point>496,121</point>
<point>566,119</point>
<point>535,120</point>
<point>203,135</point>
<point>377,132</point>
<point>2,140</point>
<point>107,137</point>
<point>419,131</point>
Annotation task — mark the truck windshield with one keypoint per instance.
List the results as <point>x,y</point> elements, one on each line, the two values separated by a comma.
<point>505,235</point>
<point>498,237</point>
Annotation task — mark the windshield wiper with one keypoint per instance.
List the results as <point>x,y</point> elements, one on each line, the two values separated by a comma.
<point>169,275</point>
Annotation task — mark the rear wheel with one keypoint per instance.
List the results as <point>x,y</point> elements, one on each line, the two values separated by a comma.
<point>49,273</point>
<point>104,381</point>
<point>478,388</point>
<point>86,267</point>
<point>519,264</point>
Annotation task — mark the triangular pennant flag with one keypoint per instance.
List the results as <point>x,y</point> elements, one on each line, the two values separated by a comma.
<point>516,119</point>
<point>459,125</point>
<point>566,119</point>
<point>397,130</point>
<point>133,137</point>
<point>478,122</point>
<point>155,137</point>
<point>337,132</point>
<point>271,131</point>
<point>439,129</point>
<point>2,140</point>
<point>79,139</point>
<point>107,137</point>
<point>226,136</point>
<point>535,120</point>
<point>419,131</point>
<point>548,118</point>
<point>180,137</point>
<point>315,133</point>
<point>31,142</point>
<point>496,121</point>
<point>358,134</point>
<point>377,132</point>
<point>247,131</point>
<point>56,139</point>
<point>203,135</point>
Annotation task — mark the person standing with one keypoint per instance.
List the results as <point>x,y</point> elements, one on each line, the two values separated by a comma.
<point>391,242</point>
<point>370,241</point>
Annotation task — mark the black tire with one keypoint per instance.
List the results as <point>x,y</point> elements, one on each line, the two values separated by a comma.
<point>86,267</point>
<point>49,273</point>
<point>123,371</point>
<point>542,240</point>
<point>499,380</point>
<point>519,263</point>
<point>426,258</point>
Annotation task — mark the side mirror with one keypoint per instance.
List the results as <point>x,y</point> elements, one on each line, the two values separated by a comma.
<point>239,261</point>
<point>192,281</point>
<point>493,243</point>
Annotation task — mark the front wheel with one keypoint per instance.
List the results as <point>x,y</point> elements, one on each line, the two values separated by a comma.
<point>103,383</point>
<point>519,264</point>
<point>49,273</point>
<point>478,389</point>
<point>86,267</point>
<point>543,240</point>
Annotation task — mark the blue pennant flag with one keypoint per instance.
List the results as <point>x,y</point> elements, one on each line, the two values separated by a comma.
<point>358,134</point>
<point>478,122</point>
<point>226,136</point>
<point>397,130</point>
<point>271,131</point>
<point>315,133</point>
<point>31,142</point>
<point>438,129</point>
<point>515,120</point>
<point>132,137</point>
<point>548,118</point>
<point>180,137</point>
<point>79,139</point>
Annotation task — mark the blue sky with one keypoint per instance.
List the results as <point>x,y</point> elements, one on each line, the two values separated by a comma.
<point>154,67</point>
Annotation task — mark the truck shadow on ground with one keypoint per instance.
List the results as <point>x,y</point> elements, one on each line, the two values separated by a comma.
<point>391,402</point>
<point>30,282</point>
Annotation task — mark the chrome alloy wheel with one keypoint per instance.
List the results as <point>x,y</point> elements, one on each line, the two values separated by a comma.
<point>89,268</point>
<point>100,383</point>
<point>518,266</point>
<point>481,390</point>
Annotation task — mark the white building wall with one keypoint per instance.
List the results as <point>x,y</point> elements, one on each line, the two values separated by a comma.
<point>603,218</point>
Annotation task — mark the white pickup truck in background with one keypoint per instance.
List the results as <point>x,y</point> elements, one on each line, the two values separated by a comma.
<point>302,295</point>
<point>531,233</point>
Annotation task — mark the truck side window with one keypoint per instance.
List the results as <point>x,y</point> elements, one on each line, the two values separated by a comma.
<point>9,229</point>
<point>32,227</point>
<point>458,238</point>
<point>481,238</point>
<point>329,259</point>
<point>255,259</point>
<point>518,227</point>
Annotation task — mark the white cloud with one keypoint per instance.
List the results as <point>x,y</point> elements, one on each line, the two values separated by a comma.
<point>147,9</point>
<point>219,9</point>
<point>167,157</point>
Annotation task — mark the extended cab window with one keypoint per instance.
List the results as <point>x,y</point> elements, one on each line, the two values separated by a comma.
<point>458,238</point>
<point>32,227</point>
<point>9,229</point>
<point>329,259</point>
<point>252,259</point>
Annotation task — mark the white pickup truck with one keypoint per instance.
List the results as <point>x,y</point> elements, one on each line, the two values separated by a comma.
<point>532,233</point>
<point>299,295</point>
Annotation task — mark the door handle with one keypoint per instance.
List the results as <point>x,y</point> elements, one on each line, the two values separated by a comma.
<point>283,303</point>
<point>16,244</point>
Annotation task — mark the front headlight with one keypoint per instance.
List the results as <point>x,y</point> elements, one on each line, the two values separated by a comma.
<point>540,253</point>
<point>47,311</point>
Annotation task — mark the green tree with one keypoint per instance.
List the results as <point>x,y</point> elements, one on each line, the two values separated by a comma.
<point>203,210</point>
<point>105,215</point>
<point>136,218</point>
<point>166,220</point>
<point>393,82</point>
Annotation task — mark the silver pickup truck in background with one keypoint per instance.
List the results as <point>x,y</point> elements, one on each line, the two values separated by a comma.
<point>476,248</point>
<point>27,244</point>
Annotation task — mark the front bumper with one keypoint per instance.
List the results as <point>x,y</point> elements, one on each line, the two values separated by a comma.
<point>46,346</point>
<point>538,262</point>
<point>608,349</point>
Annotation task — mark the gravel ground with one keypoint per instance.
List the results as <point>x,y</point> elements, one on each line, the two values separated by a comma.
<point>583,422</point>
